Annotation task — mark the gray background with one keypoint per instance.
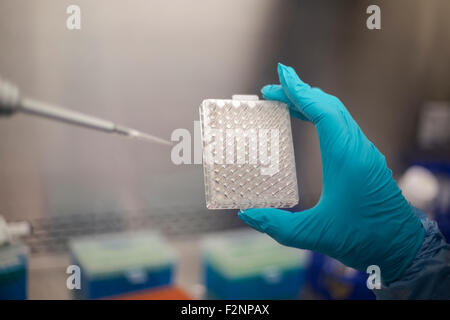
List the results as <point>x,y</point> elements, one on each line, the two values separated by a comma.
<point>149,64</point>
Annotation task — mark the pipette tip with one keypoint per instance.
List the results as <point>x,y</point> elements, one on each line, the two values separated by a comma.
<point>144,136</point>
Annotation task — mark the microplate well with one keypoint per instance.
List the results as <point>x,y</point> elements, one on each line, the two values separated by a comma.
<point>248,154</point>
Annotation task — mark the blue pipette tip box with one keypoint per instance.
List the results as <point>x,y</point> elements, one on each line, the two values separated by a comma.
<point>113,264</point>
<point>249,265</point>
<point>13,271</point>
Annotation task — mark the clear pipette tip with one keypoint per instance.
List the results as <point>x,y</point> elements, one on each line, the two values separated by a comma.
<point>132,133</point>
<point>148,137</point>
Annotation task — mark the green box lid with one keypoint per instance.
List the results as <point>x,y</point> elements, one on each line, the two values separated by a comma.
<point>103,255</point>
<point>247,253</point>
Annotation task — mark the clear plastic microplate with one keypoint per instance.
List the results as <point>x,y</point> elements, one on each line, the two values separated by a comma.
<point>248,154</point>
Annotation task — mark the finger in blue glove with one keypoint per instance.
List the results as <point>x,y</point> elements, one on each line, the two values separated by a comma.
<point>362,218</point>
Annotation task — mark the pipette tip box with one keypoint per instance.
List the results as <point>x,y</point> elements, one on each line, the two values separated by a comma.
<point>249,265</point>
<point>13,271</point>
<point>113,264</point>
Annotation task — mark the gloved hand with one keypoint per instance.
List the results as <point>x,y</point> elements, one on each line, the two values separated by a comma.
<point>362,217</point>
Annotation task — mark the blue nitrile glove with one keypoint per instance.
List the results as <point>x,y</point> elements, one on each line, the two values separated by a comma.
<point>362,218</point>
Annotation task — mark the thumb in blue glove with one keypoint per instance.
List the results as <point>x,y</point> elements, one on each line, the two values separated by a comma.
<point>362,218</point>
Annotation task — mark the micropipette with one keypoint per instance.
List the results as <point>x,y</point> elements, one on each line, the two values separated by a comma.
<point>11,102</point>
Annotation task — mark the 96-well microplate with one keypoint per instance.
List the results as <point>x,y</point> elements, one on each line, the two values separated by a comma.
<point>248,155</point>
